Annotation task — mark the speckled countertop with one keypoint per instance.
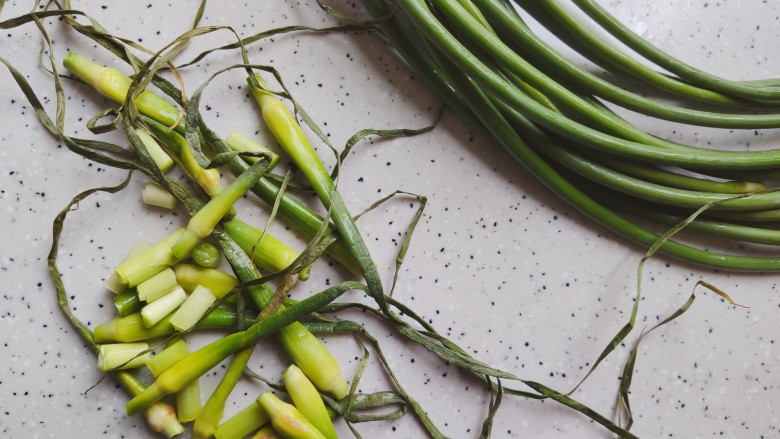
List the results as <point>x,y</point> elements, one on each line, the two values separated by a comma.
<point>506,270</point>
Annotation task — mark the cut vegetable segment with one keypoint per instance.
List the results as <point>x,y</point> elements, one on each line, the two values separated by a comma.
<point>266,432</point>
<point>241,143</point>
<point>193,308</point>
<point>203,222</point>
<point>206,255</point>
<point>154,260</point>
<point>127,303</point>
<point>156,195</point>
<point>286,419</point>
<point>157,310</point>
<point>122,356</point>
<point>113,283</point>
<point>268,252</point>
<point>157,286</point>
<point>160,157</point>
<point>168,357</point>
<point>218,282</point>
<point>308,401</point>
<point>243,423</point>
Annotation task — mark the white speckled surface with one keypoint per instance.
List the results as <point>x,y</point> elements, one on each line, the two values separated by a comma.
<point>498,264</point>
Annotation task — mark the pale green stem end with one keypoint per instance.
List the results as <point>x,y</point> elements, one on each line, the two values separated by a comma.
<point>243,423</point>
<point>218,282</point>
<point>122,356</point>
<point>314,359</point>
<point>165,305</point>
<point>241,143</point>
<point>308,401</point>
<point>157,286</point>
<point>287,420</point>
<point>152,261</point>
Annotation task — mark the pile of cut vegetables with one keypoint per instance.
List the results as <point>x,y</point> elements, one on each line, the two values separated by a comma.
<point>487,64</point>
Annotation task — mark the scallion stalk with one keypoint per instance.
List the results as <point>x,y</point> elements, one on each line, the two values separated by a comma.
<point>193,308</point>
<point>154,260</point>
<point>113,283</point>
<point>127,303</point>
<point>114,85</point>
<point>122,356</point>
<point>202,360</point>
<point>157,286</point>
<point>287,420</point>
<point>160,157</point>
<point>308,401</point>
<point>268,252</point>
<point>242,423</point>
<point>203,222</point>
<point>291,138</point>
<point>266,432</point>
<point>172,353</point>
<point>241,143</point>
<point>131,328</point>
<point>206,255</point>
<point>155,195</point>
<point>218,282</point>
<point>165,305</point>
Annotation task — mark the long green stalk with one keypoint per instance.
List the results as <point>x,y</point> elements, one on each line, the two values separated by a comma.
<point>583,40</point>
<point>496,85</point>
<point>664,60</point>
<point>294,142</point>
<point>131,328</point>
<point>580,78</point>
<point>467,94</point>
<point>203,222</point>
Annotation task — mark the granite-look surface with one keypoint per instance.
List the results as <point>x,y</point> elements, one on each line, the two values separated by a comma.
<point>498,264</point>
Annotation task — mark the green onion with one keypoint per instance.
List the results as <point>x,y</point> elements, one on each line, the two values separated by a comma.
<point>160,157</point>
<point>155,195</point>
<point>266,432</point>
<point>203,222</point>
<point>160,116</point>
<point>162,419</point>
<point>188,399</point>
<point>207,420</point>
<point>168,357</point>
<point>114,85</point>
<point>131,328</point>
<point>208,179</point>
<point>243,423</point>
<point>286,419</point>
<point>127,303</point>
<point>206,255</point>
<point>294,142</point>
<point>303,347</point>
<point>193,308</point>
<point>157,286</point>
<point>154,260</point>
<point>113,283</point>
<point>160,308</point>
<point>188,402</point>
<point>122,356</point>
<point>241,143</point>
<point>308,353</point>
<point>308,401</point>
<point>266,251</point>
<point>218,282</point>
